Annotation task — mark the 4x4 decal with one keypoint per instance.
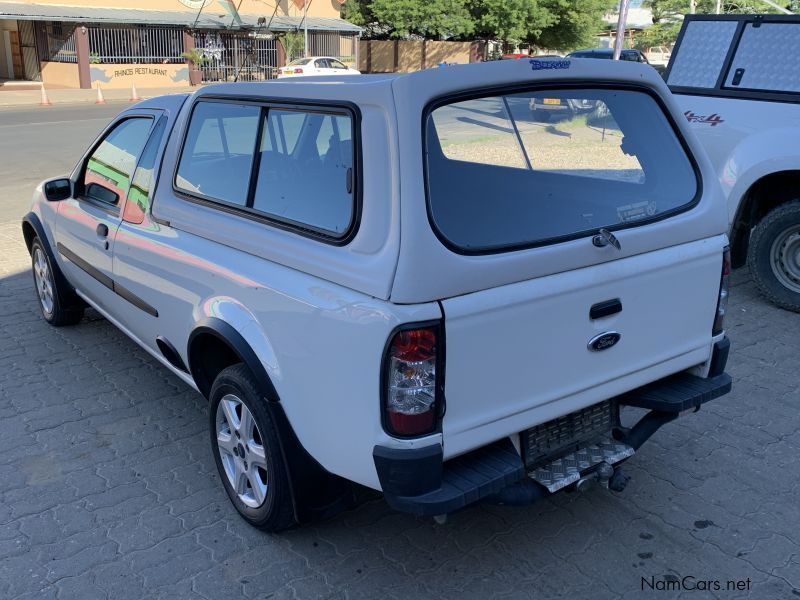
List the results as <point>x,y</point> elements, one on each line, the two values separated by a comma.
<point>712,119</point>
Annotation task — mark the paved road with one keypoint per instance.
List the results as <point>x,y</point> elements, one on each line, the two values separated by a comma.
<point>38,143</point>
<point>108,489</point>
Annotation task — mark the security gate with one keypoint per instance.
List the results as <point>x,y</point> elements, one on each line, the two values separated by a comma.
<point>237,56</point>
<point>30,58</point>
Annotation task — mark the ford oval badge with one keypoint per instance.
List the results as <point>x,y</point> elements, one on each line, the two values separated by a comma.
<point>604,341</point>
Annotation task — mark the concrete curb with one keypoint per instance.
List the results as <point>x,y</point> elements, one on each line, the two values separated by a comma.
<point>32,97</point>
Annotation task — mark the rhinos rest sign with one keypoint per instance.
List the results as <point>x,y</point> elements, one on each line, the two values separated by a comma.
<point>122,76</point>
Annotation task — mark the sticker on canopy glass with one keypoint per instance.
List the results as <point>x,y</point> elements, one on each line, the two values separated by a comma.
<point>636,211</point>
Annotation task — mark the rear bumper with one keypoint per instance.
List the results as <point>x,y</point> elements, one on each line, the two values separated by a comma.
<point>418,482</point>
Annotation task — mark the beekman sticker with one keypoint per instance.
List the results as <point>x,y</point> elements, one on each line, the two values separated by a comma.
<point>538,65</point>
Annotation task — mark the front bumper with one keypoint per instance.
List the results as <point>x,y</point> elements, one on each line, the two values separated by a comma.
<point>418,482</point>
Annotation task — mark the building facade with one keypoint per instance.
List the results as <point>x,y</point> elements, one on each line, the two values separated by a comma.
<point>116,43</point>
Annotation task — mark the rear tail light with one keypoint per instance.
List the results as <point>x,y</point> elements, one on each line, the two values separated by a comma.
<point>411,381</point>
<point>722,302</point>
<point>298,71</point>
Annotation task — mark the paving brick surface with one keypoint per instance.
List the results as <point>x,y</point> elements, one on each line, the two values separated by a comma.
<point>108,490</point>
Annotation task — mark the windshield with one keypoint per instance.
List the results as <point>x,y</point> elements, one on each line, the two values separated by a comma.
<point>298,62</point>
<point>524,169</point>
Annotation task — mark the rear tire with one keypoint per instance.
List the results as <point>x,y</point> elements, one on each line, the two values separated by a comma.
<point>774,256</point>
<point>54,301</point>
<point>247,451</point>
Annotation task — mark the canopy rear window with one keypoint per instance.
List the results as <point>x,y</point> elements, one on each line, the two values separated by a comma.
<point>524,169</point>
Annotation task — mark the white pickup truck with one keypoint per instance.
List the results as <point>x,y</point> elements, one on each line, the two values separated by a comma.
<point>737,80</point>
<point>406,282</point>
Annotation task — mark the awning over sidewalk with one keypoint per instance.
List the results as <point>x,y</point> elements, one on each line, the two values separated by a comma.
<point>209,18</point>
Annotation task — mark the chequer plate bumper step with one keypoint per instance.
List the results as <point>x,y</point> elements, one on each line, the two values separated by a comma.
<point>569,468</point>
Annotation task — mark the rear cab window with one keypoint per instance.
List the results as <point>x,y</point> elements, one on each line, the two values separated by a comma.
<point>524,169</point>
<point>293,167</point>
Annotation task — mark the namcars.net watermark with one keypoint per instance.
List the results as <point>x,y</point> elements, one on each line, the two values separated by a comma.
<point>690,583</point>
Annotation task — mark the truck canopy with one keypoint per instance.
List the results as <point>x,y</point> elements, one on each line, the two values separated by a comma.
<point>739,56</point>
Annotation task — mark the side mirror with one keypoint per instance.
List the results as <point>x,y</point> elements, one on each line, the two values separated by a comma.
<point>95,191</point>
<point>58,189</point>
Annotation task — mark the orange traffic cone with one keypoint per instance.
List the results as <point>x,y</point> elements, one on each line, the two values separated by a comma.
<point>100,99</point>
<point>45,101</point>
<point>134,95</point>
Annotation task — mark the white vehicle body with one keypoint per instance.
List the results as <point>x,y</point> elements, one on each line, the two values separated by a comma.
<point>735,78</point>
<point>199,282</point>
<point>658,55</point>
<point>316,66</point>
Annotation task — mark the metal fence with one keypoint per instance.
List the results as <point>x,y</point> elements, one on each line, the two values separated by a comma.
<point>237,56</point>
<point>343,46</point>
<point>135,45</point>
<point>56,42</point>
<point>254,56</point>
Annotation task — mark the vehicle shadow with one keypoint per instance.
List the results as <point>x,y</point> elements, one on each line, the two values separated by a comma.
<point>105,444</point>
<point>86,398</point>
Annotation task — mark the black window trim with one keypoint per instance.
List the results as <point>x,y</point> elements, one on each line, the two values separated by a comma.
<point>720,90</point>
<point>332,107</point>
<point>80,171</point>
<point>156,165</point>
<point>560,85</point>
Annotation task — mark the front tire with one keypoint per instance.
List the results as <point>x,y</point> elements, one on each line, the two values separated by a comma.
<point>247,451</point>
<point>774,256</point>
<point>56,310</point>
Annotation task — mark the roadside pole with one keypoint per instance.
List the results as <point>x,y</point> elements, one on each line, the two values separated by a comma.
<point>305,28</point>
<point>623,17</point>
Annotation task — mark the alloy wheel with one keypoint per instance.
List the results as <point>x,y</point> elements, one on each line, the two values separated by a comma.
<point>241,449</point>
<point>44,281</point>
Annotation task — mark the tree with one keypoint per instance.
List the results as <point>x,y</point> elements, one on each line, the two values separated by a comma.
<point>293,44</point>
<point>555,24</point>
<point>508,20</point>
<point>576,23</point>
<point>433,19</point>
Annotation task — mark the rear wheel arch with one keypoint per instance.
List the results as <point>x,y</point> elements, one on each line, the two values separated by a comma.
<point>214,345</point>
<point>763,196</point>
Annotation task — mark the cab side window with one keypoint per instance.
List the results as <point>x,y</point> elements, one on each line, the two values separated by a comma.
<point>108,171</point>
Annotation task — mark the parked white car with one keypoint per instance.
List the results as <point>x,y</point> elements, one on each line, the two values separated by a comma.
<point>737,82</point>
<point>405,281</point>
<point>316,66</point>
<point>658,55</point>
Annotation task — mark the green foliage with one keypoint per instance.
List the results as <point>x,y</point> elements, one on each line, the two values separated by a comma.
<point>509,20</point>
<point>556,24</point>
<point>577,23</point>
<point>437,19</point>
<point>294,44</point>
<point>195,56</point>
